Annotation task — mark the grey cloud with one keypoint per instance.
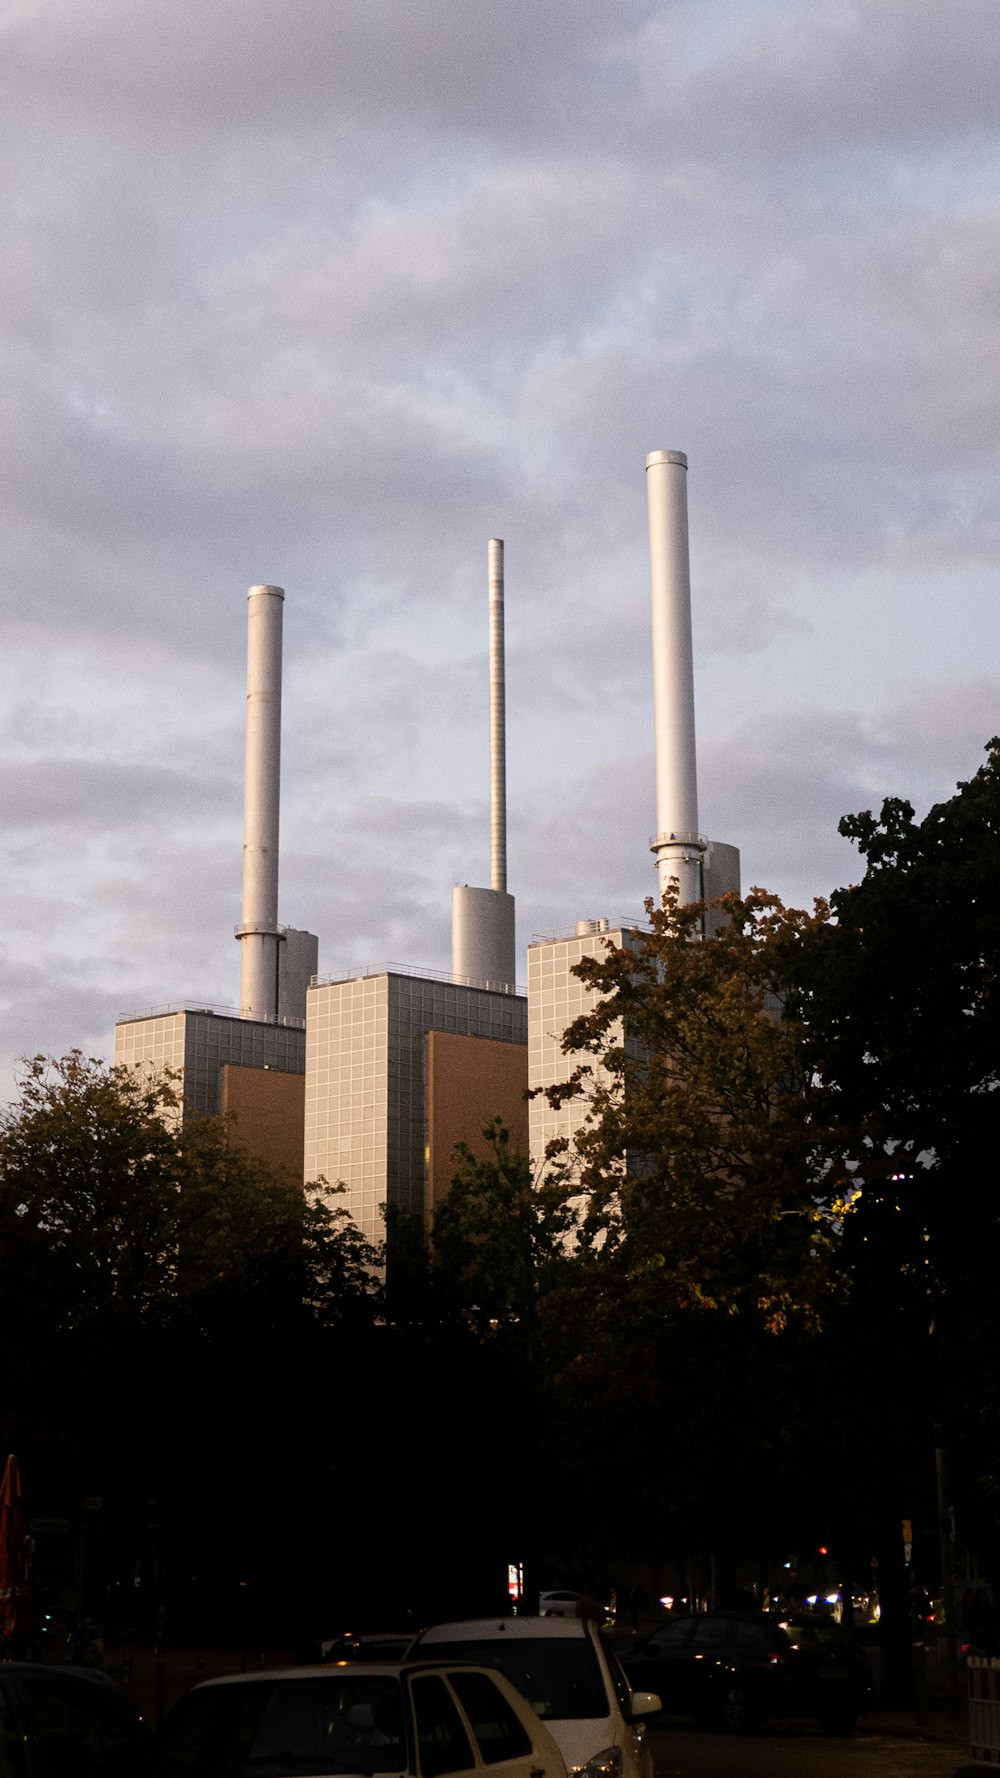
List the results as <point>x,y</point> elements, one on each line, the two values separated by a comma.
<point>813,77</point>
<point>48,1010</point>
<point>326,294</point>
<point>441,64</point>
<point>79,793</point>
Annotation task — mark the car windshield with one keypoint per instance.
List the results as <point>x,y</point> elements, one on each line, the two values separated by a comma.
<point>344,1723</point>
<point>561,1678</point>
<point>337,1722</point>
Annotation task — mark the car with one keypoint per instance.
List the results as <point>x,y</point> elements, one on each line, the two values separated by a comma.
<point>68,1720</point>
<point>367,1645</point>
<point>734,1668</point>
<point>559,1604</point>
<point>564,1602</point>
<point>564,1669</point>
<point>418,1720</point>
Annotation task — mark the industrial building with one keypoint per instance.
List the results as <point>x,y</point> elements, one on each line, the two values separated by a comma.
<point>252,1065</point>
<point>223,1063</point>
<point>371,1079</point>
<point>380,1083</point>
<point>402,1064</point>
<point>701,869</point>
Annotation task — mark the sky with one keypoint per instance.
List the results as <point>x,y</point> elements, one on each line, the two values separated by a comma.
<point>326,293</point>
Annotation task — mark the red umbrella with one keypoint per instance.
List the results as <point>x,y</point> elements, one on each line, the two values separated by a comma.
<point>13,1592</point>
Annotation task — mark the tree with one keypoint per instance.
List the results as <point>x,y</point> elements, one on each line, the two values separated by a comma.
<point>170,1312</point>
<point>109,1206</point>
<point>500,1238</point>
<point>899,995</point>
<point>704,1167</point>
<point>902,1001</point>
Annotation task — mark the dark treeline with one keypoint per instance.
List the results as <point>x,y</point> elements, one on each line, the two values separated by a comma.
<point>726,1330</point>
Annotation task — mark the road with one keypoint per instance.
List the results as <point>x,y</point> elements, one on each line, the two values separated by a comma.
<point>778,1751</point>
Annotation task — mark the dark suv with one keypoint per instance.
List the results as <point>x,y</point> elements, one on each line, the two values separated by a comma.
<point>67,1722</point>
<point>734,1668</point>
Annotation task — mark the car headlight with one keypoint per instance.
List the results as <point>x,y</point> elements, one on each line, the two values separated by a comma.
<point>606,1764</point>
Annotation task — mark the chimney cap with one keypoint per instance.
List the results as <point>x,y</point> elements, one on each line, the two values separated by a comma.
<point>666,457</point>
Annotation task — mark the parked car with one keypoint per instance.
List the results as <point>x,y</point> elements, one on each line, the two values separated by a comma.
<point>559,1604</point>
<point>367,1645</point>
<point>421,1720</point>
<point>564,1602</point>
<point>569,1676</point>
<point>68,1720</point>
<point>734,1668</point>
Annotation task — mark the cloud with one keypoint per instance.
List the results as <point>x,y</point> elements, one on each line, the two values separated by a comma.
<point>72,794</point>
<point>326,295</point>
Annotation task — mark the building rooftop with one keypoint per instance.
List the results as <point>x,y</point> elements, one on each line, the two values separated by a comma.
<point>587,928</point>
<point>428,975</point>
<point>216,1012</point>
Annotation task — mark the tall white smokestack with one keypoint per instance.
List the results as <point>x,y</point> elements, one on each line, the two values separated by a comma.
<point>259,933</point>
<point>482,920</point>
<point>677,846</point>
<point>498,756</point>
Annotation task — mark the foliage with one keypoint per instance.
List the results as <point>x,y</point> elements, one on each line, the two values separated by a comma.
<point>903,1011</point>
<point>110,1206</point>
<point>500,1237</point>
<point>703,1162</point>
<point>900,999</point>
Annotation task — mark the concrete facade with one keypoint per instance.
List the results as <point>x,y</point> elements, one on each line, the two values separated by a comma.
<point>198,1045</point>
<point>268,1108</point>
<point>365,1105</point>
<point>470,1081</point>
<point>555,998</point>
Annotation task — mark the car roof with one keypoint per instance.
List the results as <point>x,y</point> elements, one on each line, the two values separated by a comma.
<point>486,1629</point>
<point>332,1669</point>
<point>93,1674</point>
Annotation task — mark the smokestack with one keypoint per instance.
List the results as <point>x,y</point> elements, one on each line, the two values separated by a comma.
<point>677,846</point>
<point>259,934</point>
<point>482,920</point>
<point>498,757</point>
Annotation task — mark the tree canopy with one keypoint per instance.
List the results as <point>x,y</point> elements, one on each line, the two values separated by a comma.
<point>705,1162</point>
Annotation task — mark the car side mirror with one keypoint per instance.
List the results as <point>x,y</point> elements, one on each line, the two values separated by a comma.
<point>645,1704</point>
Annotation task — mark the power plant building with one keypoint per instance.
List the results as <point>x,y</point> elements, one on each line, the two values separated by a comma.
<point>555,998</point>
<point>696,868</point>
<point>369,1080</point>
<point>227,1064</point>
<point>367,1115</point>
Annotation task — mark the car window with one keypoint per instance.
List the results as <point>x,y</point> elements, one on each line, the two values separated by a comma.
<point>621,1682</point>
<point>349,1721</point>
<point>79,1729</point>
<point>198,1732</point>
<point>442,1741</point>
<point>560,1678</point>
<point>712,1632</point>
<point>669,1635</point>
<point>822,1634</point>
<point>11,1746</point>
<point>499,1732</point>
<point>342,1721</point>
<point>756,1637</point>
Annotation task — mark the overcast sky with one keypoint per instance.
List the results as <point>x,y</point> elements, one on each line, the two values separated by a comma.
<point>326,293</point>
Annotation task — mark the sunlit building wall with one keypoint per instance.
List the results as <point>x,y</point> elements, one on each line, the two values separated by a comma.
<point>365,1104</point>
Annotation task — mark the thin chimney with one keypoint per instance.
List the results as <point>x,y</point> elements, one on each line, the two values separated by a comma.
<point>259,933</point>
<point>678,847</point>
<point>482,920</point>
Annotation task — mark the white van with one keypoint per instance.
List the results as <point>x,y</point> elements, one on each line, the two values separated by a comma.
<point>569,1677</point>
